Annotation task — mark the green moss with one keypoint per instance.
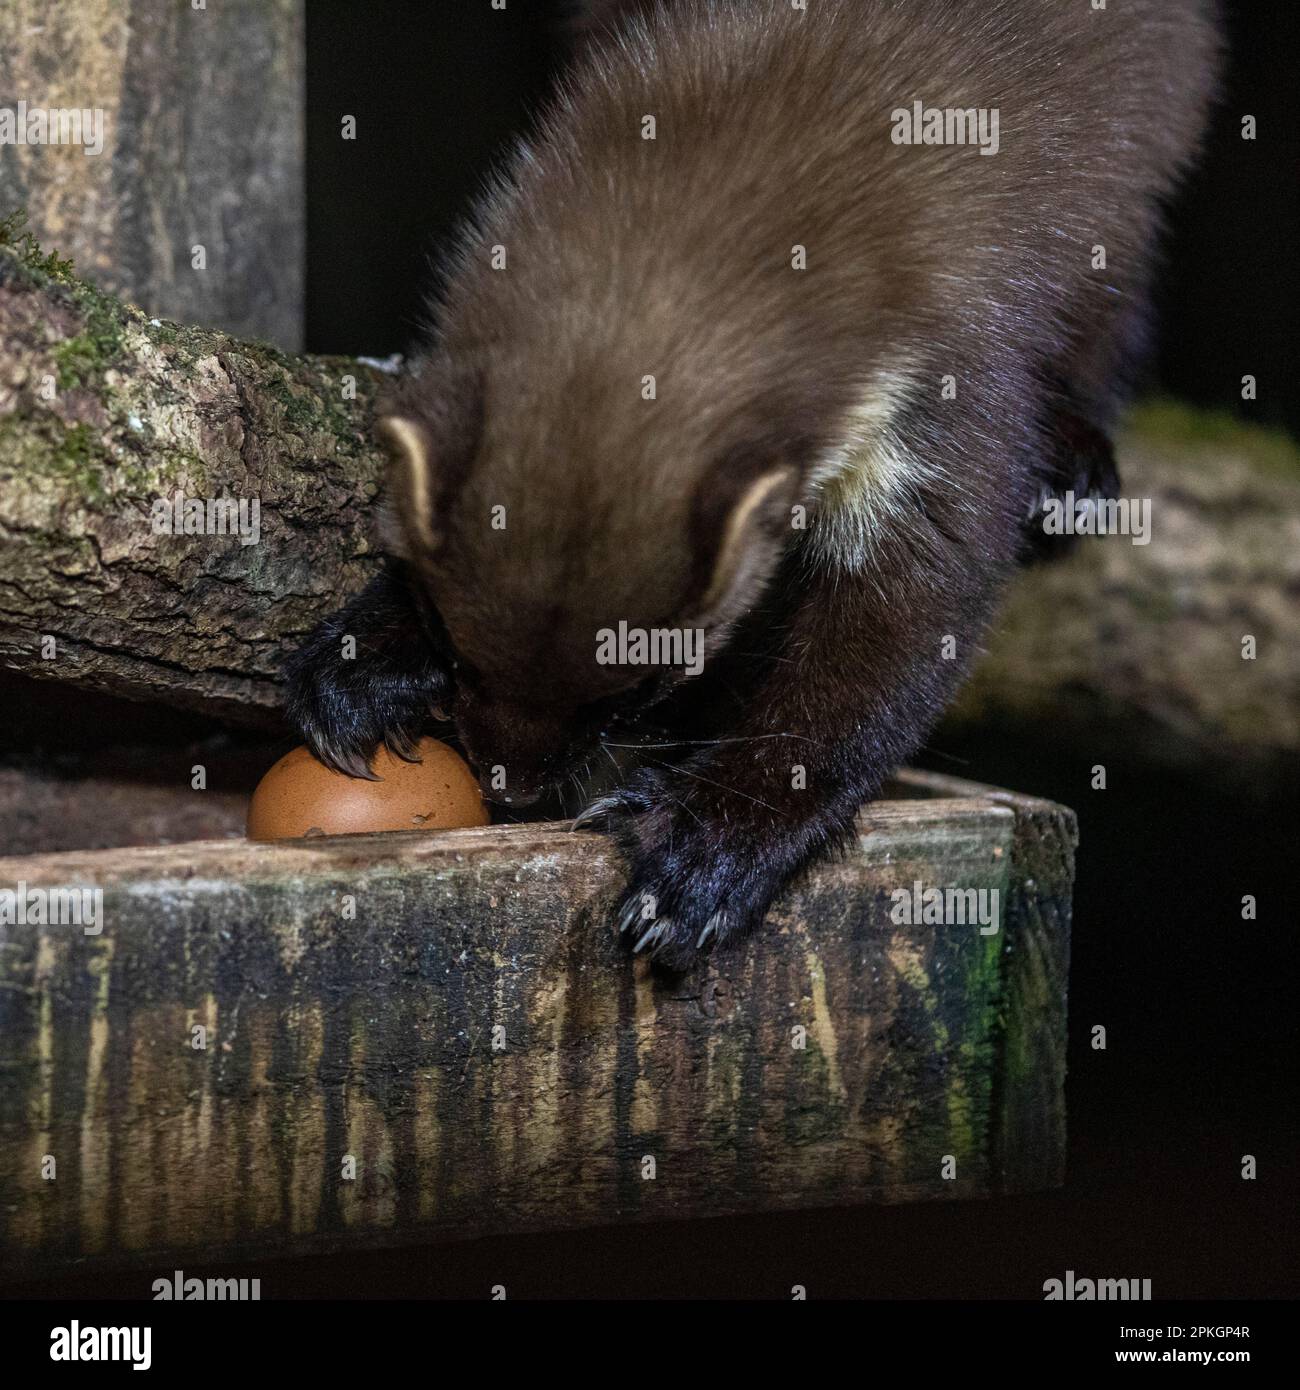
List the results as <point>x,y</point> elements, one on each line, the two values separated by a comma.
<point>815,1112</point>
<point>83,359</point>
<point>99,346</point>
<point>306,393</point>
<point>969,1083</point>
<point>51,449</point>
<point>79,459</point>
<point>80,360</point>
<point>14,234</point>
<point>313,404</point>
<point>302,414</point>
<point>1188,428</point>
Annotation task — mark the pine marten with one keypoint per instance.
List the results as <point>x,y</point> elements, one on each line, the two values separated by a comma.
<point>772,342</point>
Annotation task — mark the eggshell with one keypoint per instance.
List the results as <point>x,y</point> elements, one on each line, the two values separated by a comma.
<point>300,796</point>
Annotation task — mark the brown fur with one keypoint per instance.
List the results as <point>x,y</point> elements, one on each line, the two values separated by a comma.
<point>671,257</point>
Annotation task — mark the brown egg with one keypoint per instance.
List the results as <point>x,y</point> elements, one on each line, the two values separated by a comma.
<point>300,796</point>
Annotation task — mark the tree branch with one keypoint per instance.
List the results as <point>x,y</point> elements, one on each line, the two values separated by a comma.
<point>103,412</point>
<point>1138,651</point>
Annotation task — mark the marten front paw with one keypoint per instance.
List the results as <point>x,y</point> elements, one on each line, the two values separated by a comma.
<point>349,692</point>
<point>696,880</point>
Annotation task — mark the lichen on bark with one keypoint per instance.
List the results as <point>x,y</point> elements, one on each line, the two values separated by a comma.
<point>103,412</point>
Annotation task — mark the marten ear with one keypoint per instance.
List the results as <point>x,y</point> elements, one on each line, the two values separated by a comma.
<point>411,481</point>
<point>740,526</point>
<point>432,425</point>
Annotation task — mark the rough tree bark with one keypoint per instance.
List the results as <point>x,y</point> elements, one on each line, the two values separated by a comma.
<point>103,411</point>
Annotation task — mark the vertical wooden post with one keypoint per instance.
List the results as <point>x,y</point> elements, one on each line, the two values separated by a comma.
<point>202,122</point>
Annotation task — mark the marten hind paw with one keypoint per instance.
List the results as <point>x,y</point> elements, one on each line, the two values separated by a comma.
<point>674,921</point>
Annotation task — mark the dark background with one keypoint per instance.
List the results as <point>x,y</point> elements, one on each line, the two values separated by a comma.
<point>1199,1006</point>
<point>440,90</point>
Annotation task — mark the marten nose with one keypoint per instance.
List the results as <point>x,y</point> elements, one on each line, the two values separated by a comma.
<point>517,752</point>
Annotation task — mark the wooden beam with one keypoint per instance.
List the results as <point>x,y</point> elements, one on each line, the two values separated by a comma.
<point>451,1013</point>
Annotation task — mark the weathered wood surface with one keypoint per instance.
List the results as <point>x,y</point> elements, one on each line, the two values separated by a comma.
<point>374,1037</point>
<point>42,812</point>
<point>203,145</point>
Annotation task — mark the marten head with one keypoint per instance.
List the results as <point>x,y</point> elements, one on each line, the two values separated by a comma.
<point>578,554</point>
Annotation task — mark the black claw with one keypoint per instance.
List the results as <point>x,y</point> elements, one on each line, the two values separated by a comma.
<point>347,761</point>
<point>403,744</point>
